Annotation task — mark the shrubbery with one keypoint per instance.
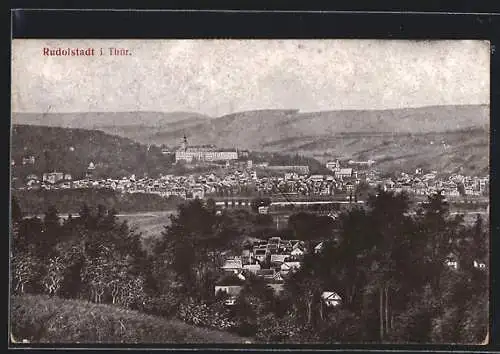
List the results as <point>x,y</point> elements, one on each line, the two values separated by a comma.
<point>278,329</point>
<point>165,305</point>
<point>34,202</point>
<point>202,314</point>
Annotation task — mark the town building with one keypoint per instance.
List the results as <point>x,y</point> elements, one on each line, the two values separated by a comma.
<point>344,173</point>
<point>53,177</point>
<point>368,163</point>
<point>333,165</point>
<point>190,154</point>
<point>302,169</point>
<point>28,160</point>
<point>89,173</point>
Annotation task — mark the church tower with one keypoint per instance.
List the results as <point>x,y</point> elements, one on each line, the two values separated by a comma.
<point>184,144</point>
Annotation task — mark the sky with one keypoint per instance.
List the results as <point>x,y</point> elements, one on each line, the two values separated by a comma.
<point>217,77</point>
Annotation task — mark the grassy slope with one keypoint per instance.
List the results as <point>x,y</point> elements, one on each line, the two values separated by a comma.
<point>41,319</point>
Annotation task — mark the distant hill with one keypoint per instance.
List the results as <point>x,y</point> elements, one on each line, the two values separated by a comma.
<point>72,150</point>
<point>253,129</point>
<point>399,138</point>
<point>92,120</point>
<point>460,151</point>
<point>257,129</point>
<point>43,319</point>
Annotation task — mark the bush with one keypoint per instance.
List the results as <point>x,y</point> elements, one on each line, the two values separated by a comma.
<point>342,326</point>
<point>277,330</point>
<point>204,315</point>
<point>165,305</point>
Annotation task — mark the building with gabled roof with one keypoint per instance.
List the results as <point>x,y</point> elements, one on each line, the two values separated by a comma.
<point>231,265</point>
<point>331,298</point>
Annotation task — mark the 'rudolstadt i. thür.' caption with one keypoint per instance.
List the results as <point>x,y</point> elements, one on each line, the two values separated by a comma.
<point>85,52</point>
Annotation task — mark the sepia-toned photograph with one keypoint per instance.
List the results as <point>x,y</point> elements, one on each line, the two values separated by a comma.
<point>249,191</point>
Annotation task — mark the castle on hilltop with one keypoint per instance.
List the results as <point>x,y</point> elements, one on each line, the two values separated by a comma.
<point>203,153</point>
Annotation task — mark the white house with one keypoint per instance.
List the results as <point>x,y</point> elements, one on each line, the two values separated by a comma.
<point>260,254</point>
<point>263,210</point>
<point>279,258</point>
<point>331,298</point>
<point>451,261</point>
<point>252,268</point>
<point>344,172</point>
<point>333,165</point>
<point>289,266</point>
<point>479,265</point>
<point>297,244</point>
<point>319,247</point>
<point>32,177</point>
<point>232,265</point>
<point>297,252</point>
<point>316,178</point>
<point>231,290</point>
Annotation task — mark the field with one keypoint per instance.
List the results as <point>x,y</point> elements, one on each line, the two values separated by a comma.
<point>149,224</point>
<point>41,319</point>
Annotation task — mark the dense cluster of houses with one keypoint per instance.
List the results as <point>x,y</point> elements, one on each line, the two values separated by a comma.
<point>419,183</point>
<point>273,260</point>
<point>241,179</point>
<point>276,259</point>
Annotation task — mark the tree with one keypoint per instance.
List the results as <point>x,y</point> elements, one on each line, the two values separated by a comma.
<point>415,323</point>
<point>189,243</point>
<point>341,326</point>
<point>305,287</point>
<point>310,227</point>
<point>210,205</point>
<point>25,273</point>
<point>16,213</point>
<point>51,231</point>
<point>438,233</point>
<point>346,261</point>
<point>479,241</point>
<point>461,189</point>
<point>255,300</point>
<point>390,227</point>
<point>54,275</point>
<point>17,240</point>
<point>85,214</point>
